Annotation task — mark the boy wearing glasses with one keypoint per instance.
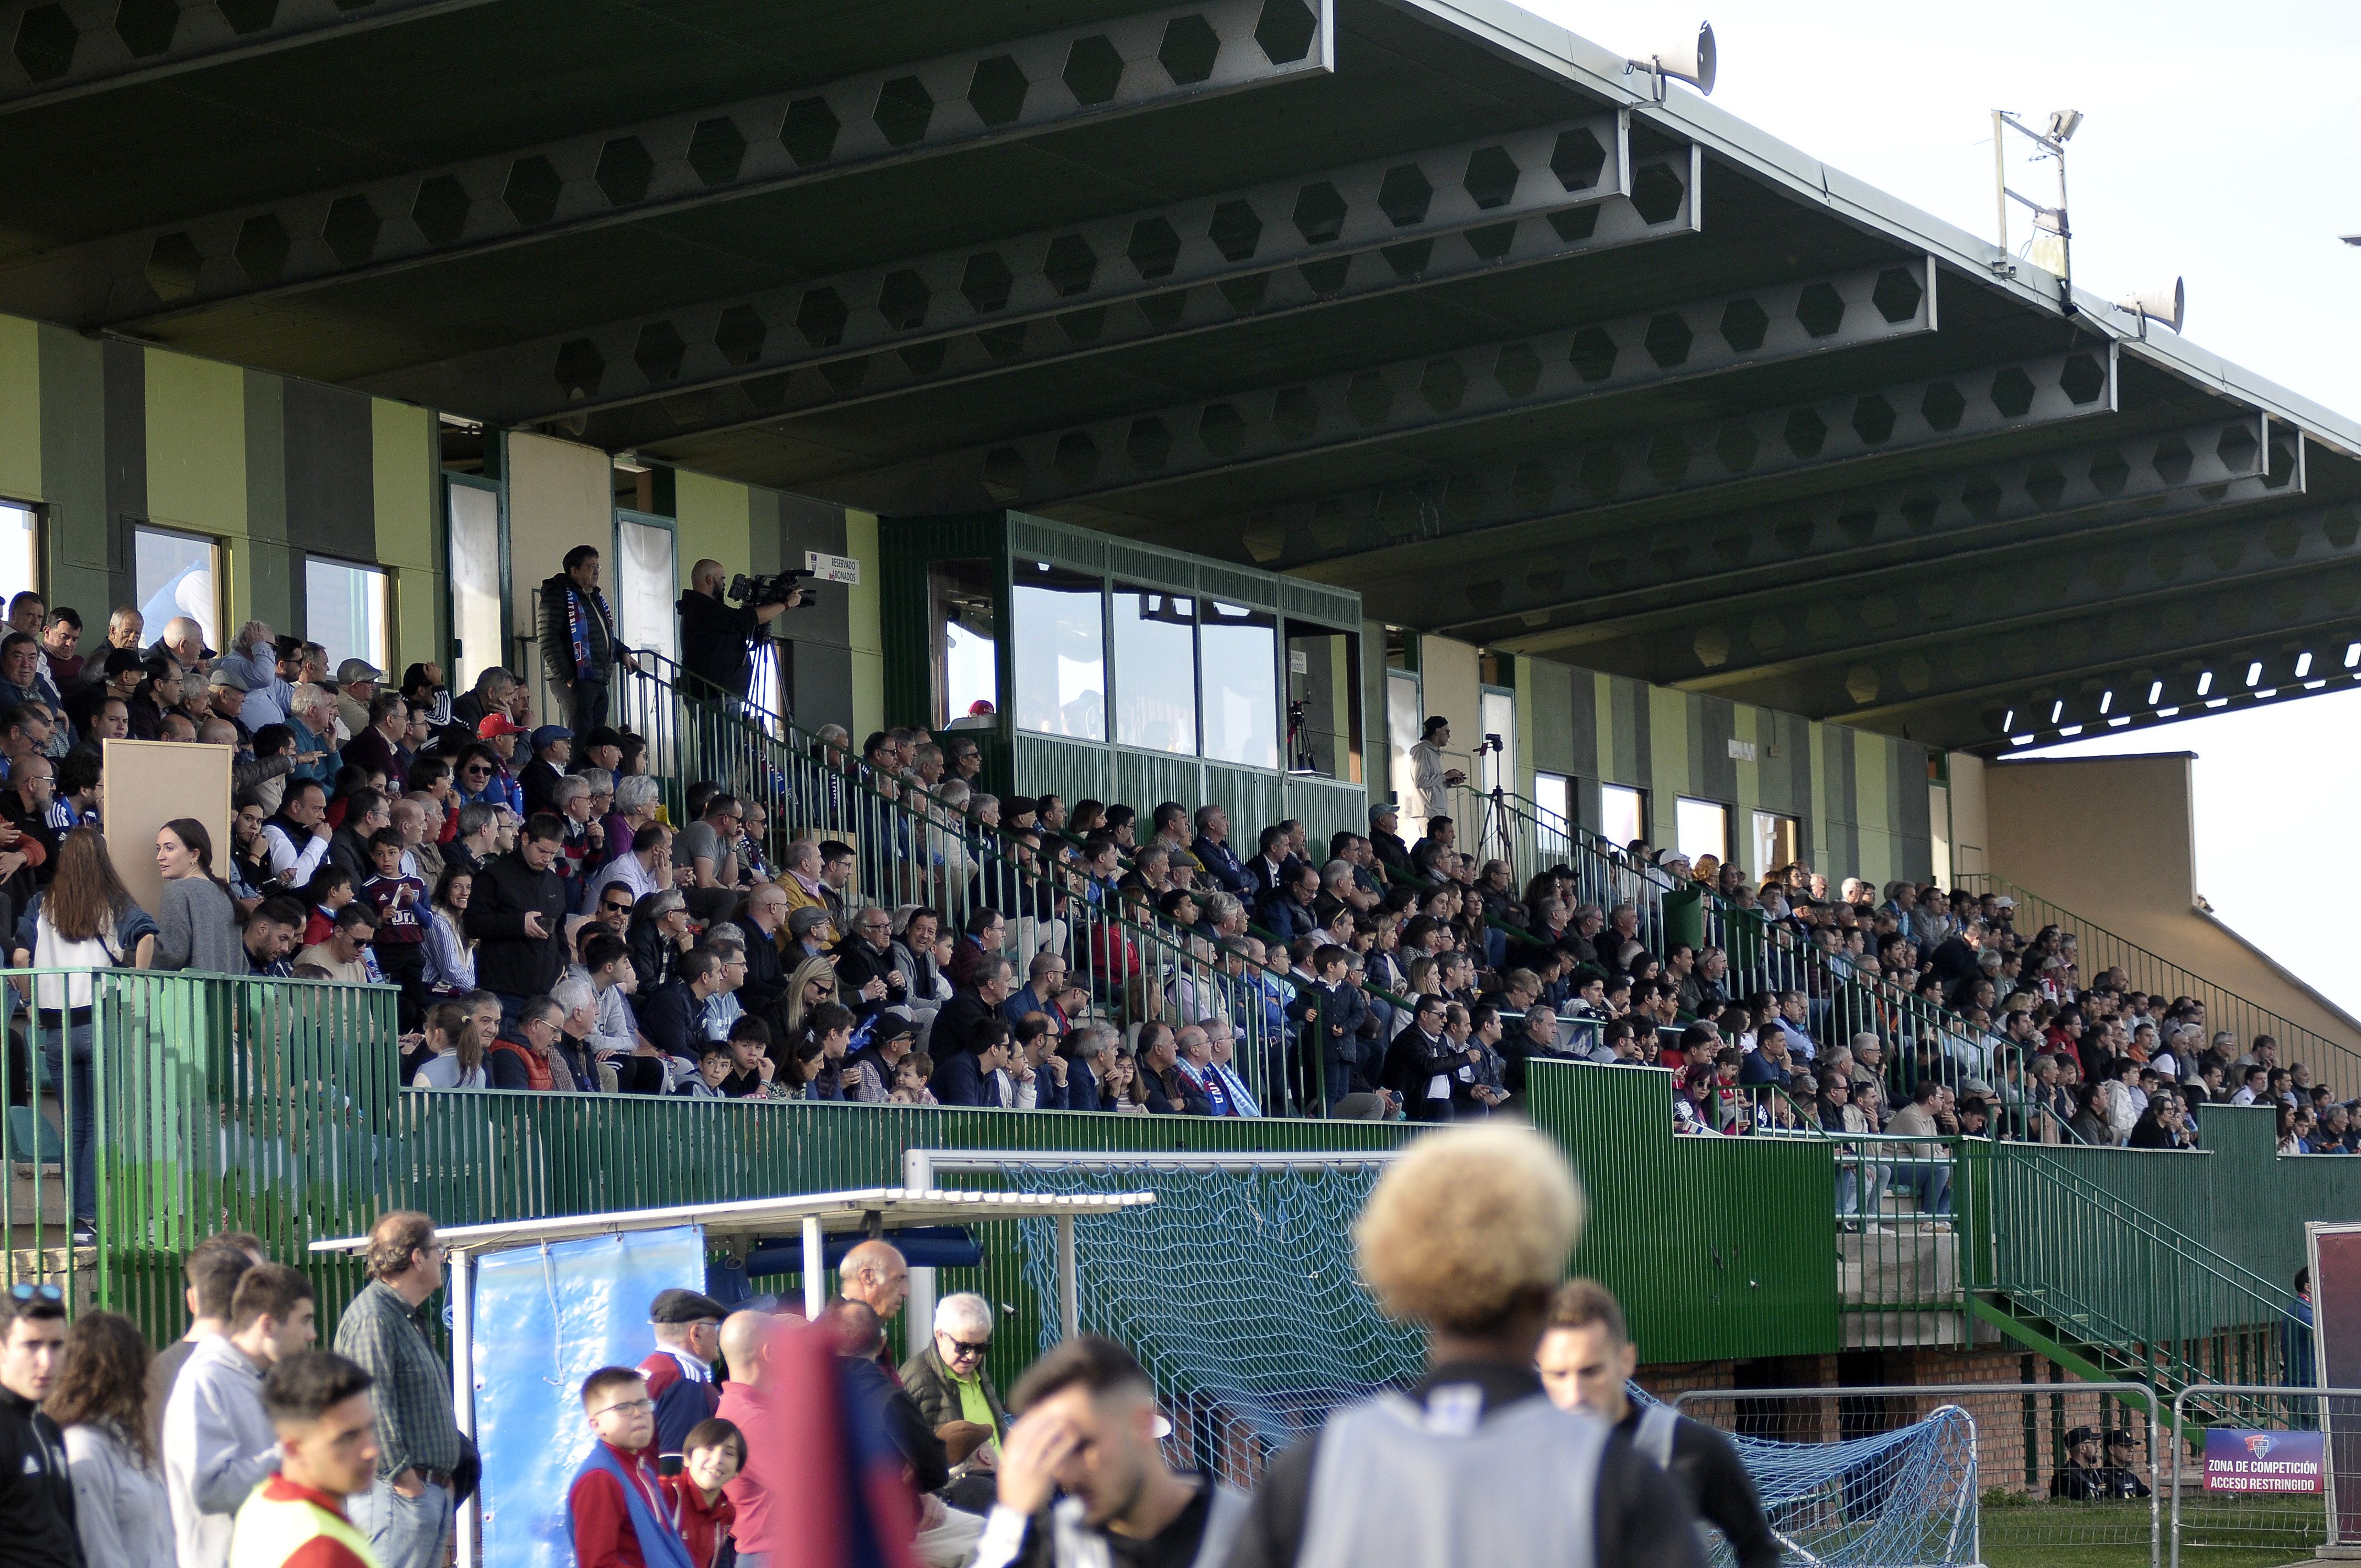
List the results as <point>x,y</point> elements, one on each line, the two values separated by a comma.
<point>617,1511</point>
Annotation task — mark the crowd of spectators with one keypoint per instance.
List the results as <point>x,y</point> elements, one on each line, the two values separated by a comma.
<point>897,935</point>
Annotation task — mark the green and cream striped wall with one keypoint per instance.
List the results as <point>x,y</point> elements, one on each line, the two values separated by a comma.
<point>102,435</point>
<point>105,434</point>
<point>1861,797</point>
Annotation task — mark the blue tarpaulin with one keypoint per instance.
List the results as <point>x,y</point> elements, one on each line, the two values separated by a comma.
<point>546,1318</point>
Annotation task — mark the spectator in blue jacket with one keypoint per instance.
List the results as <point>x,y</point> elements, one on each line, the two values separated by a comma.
<point>671,1015</point>
<point>971,1077</point>
<point>1045,991</point>
<point>1211,848</point>
<point>1289,913</point>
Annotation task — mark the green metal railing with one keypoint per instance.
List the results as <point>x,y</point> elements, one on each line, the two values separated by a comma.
<point>910,847</point>
<point>215,1102</point>
<point>1920,1036</point>
<point>2068,1259</point>
<point>2098,949</point>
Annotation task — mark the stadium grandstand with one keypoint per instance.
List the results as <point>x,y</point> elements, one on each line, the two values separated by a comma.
<point>625,607</point>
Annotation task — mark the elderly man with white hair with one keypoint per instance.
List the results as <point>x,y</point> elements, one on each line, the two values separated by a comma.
<point>946,1379</point>
<point>183,640</point>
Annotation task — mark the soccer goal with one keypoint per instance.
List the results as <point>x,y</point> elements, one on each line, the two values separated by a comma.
<point>1237,1291</point>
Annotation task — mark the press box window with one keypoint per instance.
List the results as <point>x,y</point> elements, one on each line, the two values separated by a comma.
<point>1701,827</point>
<point>966,658</point>
<point>1156,668</point>
<point>1238,664</point>
<point>1324,703</point>
<point>1059,661</point>
<point>345,611</point>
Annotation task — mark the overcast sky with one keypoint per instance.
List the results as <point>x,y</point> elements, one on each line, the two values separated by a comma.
<point>2220,144</point>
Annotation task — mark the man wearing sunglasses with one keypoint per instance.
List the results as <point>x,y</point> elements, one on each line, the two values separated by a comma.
<point>956,1397</point>
<point>37,1500</point>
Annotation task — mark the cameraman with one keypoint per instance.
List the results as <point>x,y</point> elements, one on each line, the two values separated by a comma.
<point>717,638</point>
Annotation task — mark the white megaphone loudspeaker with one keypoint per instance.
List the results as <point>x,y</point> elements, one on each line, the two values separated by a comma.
<point>2164,305</point>
<point>1691,61</point>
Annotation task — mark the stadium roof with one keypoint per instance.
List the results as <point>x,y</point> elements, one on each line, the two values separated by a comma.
<point>1429,300</point>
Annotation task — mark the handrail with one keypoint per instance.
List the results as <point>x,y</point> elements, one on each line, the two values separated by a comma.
<point>909,852</point>
<point>2182,981</point>
<point>2117,1276</point>
<point>1899,1017</point>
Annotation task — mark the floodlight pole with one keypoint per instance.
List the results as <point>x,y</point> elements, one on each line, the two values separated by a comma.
<point>2053,147</point>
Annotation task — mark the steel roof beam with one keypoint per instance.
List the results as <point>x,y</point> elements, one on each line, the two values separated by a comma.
<point>678,162</point>
<point>1432,392</point>
<point>1628,582</point>
<point>2296,569</point>
<point>1368,229</point>
<point>59,50</point>
<point>1526,504</point>
<point>2332,641</point>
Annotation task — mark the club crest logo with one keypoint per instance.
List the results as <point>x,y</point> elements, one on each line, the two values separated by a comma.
<point>2259,1443</point>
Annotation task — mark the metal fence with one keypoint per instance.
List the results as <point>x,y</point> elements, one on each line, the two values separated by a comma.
<point>2263,1467</point>
<point>2070,1258</point>
<point>912,848</point>
<point>2038,1492</point>
<point>160,1108</point>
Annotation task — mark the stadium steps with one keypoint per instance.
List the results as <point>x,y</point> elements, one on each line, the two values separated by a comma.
<point>2068,1269</point>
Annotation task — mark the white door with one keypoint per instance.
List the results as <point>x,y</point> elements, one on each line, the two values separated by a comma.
<point>475,582</point>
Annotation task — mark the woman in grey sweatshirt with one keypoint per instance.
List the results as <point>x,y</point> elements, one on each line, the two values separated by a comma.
<point>196,922</point>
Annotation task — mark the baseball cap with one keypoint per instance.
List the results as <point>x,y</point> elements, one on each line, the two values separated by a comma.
<point>890,1026</point>
<point>234,679</point>
<point>550,735</point>
<point>679,1306</point>
<point>1382,810</point>
<point>353,670</point>
<point>498,724</point>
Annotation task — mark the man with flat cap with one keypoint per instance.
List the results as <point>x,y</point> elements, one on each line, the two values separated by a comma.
<point>680,1372</point>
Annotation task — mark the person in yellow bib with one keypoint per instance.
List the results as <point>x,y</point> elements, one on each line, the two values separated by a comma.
<point>319,1407</point>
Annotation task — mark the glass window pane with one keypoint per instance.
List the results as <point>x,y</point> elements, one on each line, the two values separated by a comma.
<point>1701,827</point>
<point>1155,670</point>
<point>1404,714</point>
<point>174,574</point>
<point>1238,649</point>
<point>967,657</point>
<point>21,551</point>
<point>1553,810</point>
<point>644,587</point>
<point>1623,815</point>
<point>1777,841</point>
<point>344,611</point>
<point>1324,703</point>
<point>475,582</point>
<point>1060,657</point>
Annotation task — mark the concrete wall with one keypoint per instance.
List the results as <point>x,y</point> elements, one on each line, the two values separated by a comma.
<point>2113,840</point>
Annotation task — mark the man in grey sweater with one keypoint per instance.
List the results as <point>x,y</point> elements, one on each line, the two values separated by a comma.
<point>218,1442</point>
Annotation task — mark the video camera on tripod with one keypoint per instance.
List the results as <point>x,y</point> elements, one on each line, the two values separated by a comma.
<point>776,587</point>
